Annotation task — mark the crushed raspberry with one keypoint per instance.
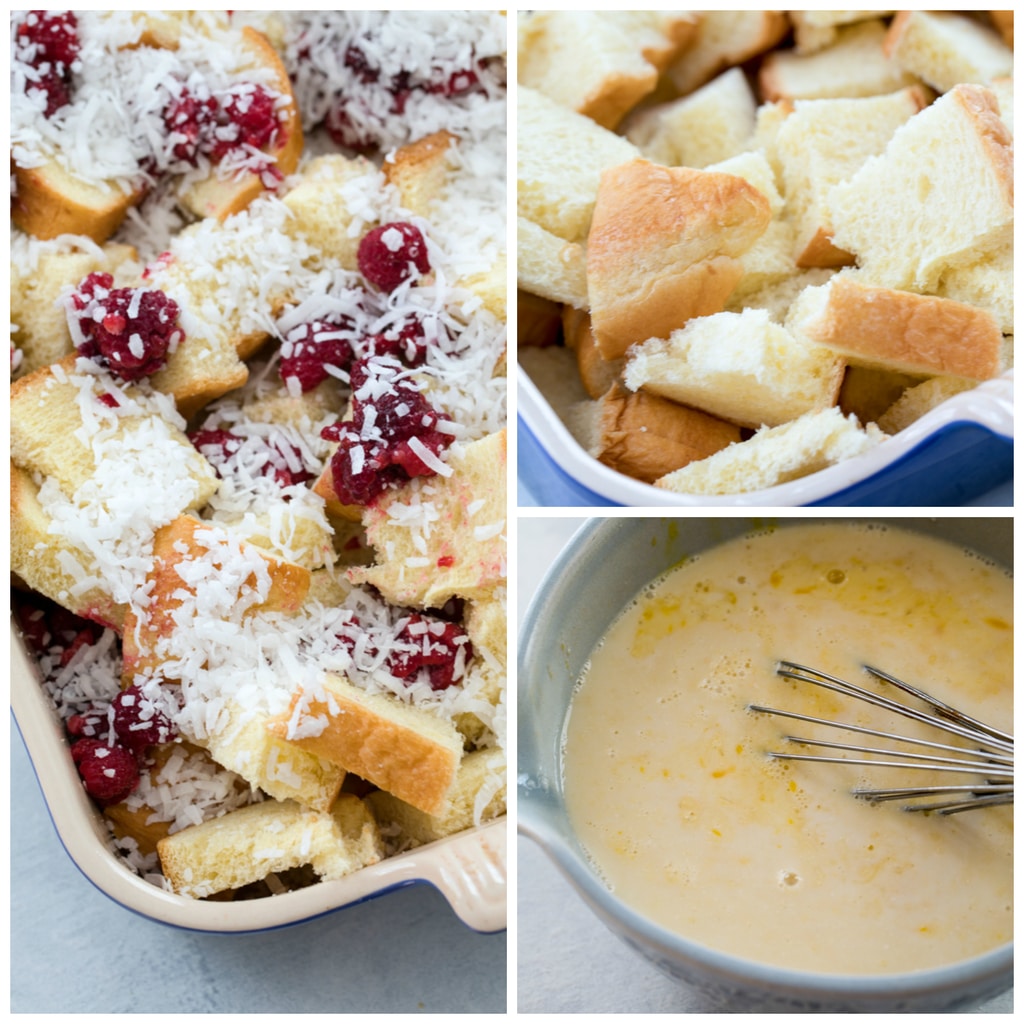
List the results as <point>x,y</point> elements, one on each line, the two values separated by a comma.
<point>203,125</point>
<point>345,132</point>
<point>374,445</point>
<point>310,348</point>
<point>48,42</point>
<point>440,647</point>
<point>391,254</point>
<point>251,112</point>
<point>109,772</point>
<point>51,629</point>
<point>276,459</point>
<point>138,722</point>
<point>405,342</point>
<point>131,331</point>
<point>358,62</point>
<point>190,120</point>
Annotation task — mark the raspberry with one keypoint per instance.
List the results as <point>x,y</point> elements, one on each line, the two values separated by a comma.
<point>405,341</point>
<point>424,642</point>
<point>131,331</point>
<point>391,254</point>
<point>138,722</point>
<point>190,120</point>
<point>90,724</point>
<point>109,772</point>
<point>252,114</point>
<point>358,62</point>
<point>310,348</point>
<point>374,449</point>
<point>272,458</point>
<point>345,132</point>
<point>48,42</point>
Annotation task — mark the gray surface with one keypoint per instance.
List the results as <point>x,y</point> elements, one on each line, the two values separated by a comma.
<point>567,961</point>
<point>74,950</point>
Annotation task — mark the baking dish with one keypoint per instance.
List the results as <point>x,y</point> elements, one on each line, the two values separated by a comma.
<point>469,869</point>
<point>609,561</point>
<point>956,452</point>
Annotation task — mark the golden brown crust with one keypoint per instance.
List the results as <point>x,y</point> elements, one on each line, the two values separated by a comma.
<point>820,252</point>
<point>539,320</point>
<point>172,545</point>
<point>907,332</point>
<point>663,248</point>
<point>647,437</point>
<point>418,170</point>
<point>403,750</point>
<point>48,202</point>
<point>1003,21</point>
<point>597,373</point>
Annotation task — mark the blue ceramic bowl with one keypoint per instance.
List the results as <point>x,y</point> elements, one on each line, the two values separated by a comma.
<point>605,565</point>
<point>957,452</point>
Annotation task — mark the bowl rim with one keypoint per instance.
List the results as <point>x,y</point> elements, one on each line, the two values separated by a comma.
<point>988,406</point>
<point>542,818</point>
<point>469,868</point>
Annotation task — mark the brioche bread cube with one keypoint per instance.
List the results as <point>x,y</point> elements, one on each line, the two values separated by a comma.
<point>853,65</point>
<point>320,213</point>
<point>219,197</point>
<point>740,367</point>
<point>816,30</point>
<point>724,39</point>
<point>948,171</point>
<point>824,142</point>
<point>244,744</point>
<point>1002,89</point>
<point>41,330</point>
<point>247,844</point>
<point>920,399</point>
<point>624,52</point>
<point>753,167</point>
<point>646,436</point>
<point>596,373</point>
<point>58,416</point>
<point>987,284</point>
<point>559,159</point>
<point>444,536</point>
<point>777,291</point>
<point>868,391</point>
<point>549,266</point>
<point>901,331</point>
<point>70,577</point>
<point>711,124</point>
<point>776,455</point>
<point>480,780</point>
<point>664,247</point>
<point>400,748</point>
<point>1003,21</point>
<point>945,49</point>
<point>190,540</point>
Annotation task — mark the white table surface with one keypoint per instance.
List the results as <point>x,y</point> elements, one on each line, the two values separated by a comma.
<point>567,961</point>
<point>73,950</point>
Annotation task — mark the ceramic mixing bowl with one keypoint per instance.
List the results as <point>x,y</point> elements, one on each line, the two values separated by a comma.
<point>604,566</point>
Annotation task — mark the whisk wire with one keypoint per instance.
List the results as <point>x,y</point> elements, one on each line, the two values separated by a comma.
<point>990,758</point>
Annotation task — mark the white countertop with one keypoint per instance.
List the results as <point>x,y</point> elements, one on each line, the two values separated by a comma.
<point>567,961</point>
<point>73,950</point>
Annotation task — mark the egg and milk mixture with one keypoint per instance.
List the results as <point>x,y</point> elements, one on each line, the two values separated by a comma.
<point>670,789</point>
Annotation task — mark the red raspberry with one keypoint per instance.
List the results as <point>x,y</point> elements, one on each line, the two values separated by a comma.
<point>138,722</point>
<point>345,132</point>
<point>191,120</point>
<point>405,341</point>
<point>391,254</point>
<point>442,648</point>
<point>374,450</point>
<point>109,772</point>
<point>252,114</point>
<point>48,42</point>
<point>130,331</point>
<point>310,348</point>
<point>90,724</point>
<point>358,62</point>
<point>279,459</point>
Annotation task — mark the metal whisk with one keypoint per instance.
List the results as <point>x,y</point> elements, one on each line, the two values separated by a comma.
<point>989,758</point>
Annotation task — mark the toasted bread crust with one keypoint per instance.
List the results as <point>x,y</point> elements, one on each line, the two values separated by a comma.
<point>663,248</point>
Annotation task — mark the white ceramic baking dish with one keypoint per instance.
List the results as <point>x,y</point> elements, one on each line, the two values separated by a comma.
<point>955,453</point>
<point>469,869</point>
